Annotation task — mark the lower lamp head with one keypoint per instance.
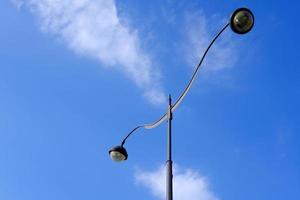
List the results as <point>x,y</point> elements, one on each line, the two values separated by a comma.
<point>118,154</point>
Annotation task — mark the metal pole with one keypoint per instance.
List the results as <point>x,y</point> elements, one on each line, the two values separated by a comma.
<point>169,167</point>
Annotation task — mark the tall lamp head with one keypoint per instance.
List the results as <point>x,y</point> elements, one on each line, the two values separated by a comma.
<point>242,21</point>
<point>118,154</point>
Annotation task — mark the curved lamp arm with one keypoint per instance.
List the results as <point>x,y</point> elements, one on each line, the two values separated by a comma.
<point>183,94</point>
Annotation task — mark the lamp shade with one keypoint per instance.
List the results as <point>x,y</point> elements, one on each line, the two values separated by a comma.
<point>118,153</point>
<point>242,21</point>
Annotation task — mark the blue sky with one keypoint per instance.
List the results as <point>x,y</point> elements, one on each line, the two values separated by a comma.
<point>76,76</point>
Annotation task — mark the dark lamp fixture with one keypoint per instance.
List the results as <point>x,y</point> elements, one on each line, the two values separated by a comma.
<point>242,21</point>
<point>118,154</point>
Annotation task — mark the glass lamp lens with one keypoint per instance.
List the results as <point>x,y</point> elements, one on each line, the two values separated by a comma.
<point>243,21</point>
<point>117,156</point>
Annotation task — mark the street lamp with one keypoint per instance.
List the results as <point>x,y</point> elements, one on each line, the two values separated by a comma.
<point>241,22</point>
<point>118,154</point>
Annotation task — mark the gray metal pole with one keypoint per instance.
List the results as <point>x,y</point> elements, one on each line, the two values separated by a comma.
<point>169,165</point>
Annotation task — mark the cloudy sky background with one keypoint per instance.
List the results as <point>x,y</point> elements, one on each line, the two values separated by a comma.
<point>76,76</point>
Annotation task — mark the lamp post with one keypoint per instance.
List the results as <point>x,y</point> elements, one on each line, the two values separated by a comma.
<point>241,22</point>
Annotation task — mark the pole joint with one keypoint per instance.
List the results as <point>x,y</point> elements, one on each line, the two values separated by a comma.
<point>170,114</point>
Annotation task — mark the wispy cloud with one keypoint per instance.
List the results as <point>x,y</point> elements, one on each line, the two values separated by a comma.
<point>199,31</point>
<point>18,3</point>
<point>94,29</point>
<point>188,184</point>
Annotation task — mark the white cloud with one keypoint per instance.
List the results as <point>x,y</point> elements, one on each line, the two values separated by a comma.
<point>94,29</point>
<point>188,184</point>
<point>199,33</point>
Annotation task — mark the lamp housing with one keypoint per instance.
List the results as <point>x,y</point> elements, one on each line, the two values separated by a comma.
<point>242,21</point>
<point>118,154</point>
